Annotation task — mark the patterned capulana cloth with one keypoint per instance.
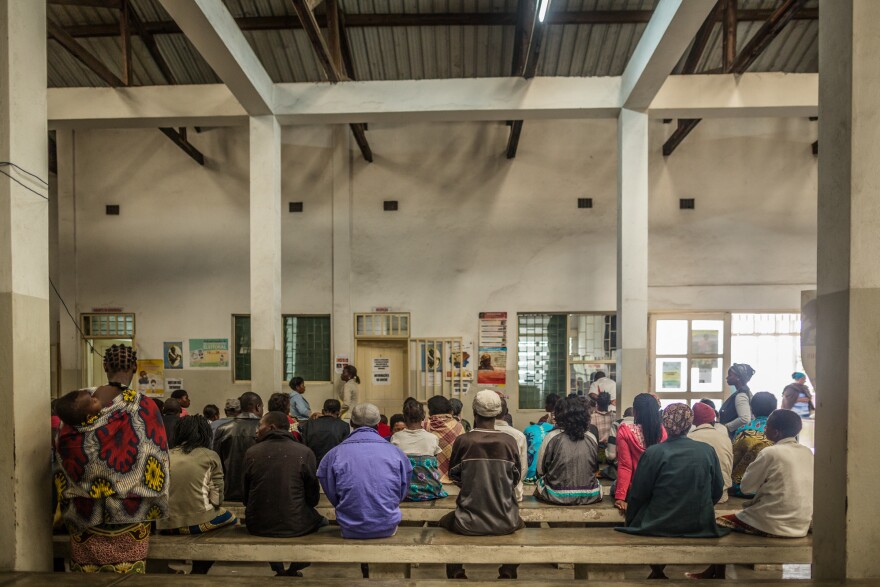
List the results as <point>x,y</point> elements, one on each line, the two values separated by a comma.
<point>446,429</point>
<point>114,469</point>
<point>677,419</point>
<point>110,549</point>
<point>424,482</point>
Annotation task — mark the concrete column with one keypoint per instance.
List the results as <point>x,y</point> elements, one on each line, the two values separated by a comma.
<point>632,256</point>
<point>265,215</point>
<point>69,345</point>
<point>847,463</point>
<point>343,328</point>
<point>25,479</point>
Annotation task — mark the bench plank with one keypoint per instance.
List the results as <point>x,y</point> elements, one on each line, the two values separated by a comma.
<point>531,545</point>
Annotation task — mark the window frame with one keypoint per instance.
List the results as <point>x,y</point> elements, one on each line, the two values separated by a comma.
<point>284,346</point>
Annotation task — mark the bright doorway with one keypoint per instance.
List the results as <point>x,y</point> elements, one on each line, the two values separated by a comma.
<point>101,331</point>
<point>382,369</point>
<point>93,369</point>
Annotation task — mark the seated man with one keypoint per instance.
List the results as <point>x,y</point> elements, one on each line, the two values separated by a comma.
<point>675,487</point>
<point>502,425</point>
<point>716,437</point>
<point>366,478</point>
<point>781,478</point>
<point>280,487</point>
<point>326,431</point>
<point>750,439</point>
<point>485,464</point>
<point>234,438</point>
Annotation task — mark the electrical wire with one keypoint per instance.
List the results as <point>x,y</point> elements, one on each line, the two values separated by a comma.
<point>24,186</point>
<point>75,323</point>
<point>25,171</point>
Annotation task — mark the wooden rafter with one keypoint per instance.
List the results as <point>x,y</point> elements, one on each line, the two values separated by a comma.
<point>526,49</point>
<point>82,54</point>
<point>701,41</point>
<point>728,52</point>
<point>178,137</point>
<point>152,47</point>
<point>774,24</point>
<point>273,23</point>
<point>125,41</point>
<point>319,44</point>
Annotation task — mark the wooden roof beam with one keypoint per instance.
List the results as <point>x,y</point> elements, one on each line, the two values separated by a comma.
<point>526,51</point>
<point>152,47</point>
<point>82,54</point>
<point>178,137</point>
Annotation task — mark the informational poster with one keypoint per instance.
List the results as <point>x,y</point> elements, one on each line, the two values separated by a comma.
<point>173,352</point>
<point>208,352</point>
<point>340,362</point>
<point>151,377</point>
<point>459,363</point>
<point>704,368</point>
<point>381,371</point>
<point>671,374</point>
<point>492,367</point>
<point>172,385</point>
<point>704,342</point>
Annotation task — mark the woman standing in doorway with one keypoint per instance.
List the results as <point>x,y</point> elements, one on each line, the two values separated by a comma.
<point>349,392</point>
<point>736,410</point>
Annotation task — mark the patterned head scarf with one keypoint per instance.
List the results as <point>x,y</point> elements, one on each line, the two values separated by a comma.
<point>677,419</point>
<point>743,372</point>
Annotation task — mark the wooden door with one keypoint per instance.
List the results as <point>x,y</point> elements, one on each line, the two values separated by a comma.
<point>382,369</point>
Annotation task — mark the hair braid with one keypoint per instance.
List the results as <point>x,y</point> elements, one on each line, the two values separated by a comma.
<point>192,432</point>
<point>120,358</point>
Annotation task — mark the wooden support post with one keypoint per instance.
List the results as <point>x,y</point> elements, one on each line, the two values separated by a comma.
<point>125,42</point>
<point>310,25</point>
<point>729,43</point>
<point>599,572</point>
<point>526,50</point>
<point>93,63</point>
<point>179,139</point>
<point>685,126</point>
<point>334,35</point>
<point>152,47</point>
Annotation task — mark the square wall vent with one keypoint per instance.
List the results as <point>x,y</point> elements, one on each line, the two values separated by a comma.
<point>112,209</point>
<point>585,202</point>
<point>389,205</point>
<point>686,204</point>
<point>295,207</point>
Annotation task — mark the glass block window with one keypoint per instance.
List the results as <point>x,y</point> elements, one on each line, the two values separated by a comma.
<point>241,336</point>
<point>108,325</point>
<point>382,325</point>
<point>307,348</point>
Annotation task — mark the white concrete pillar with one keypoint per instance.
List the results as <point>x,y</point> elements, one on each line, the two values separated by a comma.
<point>265,224</point>
<point>25,479</point>
<point>69,345</point>
<point>847,462</point>
<point>632,256</point>
<point>343,329</point>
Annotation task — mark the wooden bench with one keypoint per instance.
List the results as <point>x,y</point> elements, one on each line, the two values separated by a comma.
<point>591,550</point>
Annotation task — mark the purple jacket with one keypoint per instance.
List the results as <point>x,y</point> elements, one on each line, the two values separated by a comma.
<point>366,478</point>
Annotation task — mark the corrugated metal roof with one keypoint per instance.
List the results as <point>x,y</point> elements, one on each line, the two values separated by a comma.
<point>416,52</point>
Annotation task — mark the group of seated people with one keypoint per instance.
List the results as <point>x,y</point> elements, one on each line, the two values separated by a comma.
<point>671,468</point>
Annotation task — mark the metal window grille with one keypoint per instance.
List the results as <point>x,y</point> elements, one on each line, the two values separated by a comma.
<point>307,348</point>
<point>108,325</point>
<point>241,337</point>
<point>381,325</point>
<point>438,367</point>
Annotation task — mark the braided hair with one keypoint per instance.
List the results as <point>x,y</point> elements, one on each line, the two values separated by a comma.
<point>192,432</point>
<point>120,358</point>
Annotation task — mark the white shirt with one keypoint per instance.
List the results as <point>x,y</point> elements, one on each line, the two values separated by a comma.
<point>604,384</point>
<point>781,477</point>
<point>418,443</point>
<point>716,436</point>
<point>522,445</point>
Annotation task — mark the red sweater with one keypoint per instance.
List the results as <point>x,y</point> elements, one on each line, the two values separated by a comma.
<point>630,447</point>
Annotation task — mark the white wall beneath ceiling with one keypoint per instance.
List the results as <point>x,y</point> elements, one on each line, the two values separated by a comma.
<point>475,232</point>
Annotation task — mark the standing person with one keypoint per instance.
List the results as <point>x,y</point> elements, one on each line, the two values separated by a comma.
<point>194,504</point>
<point>486,466</point>
<point>231,409</point>
<point>535,434</point>
<point>716,437</point>
<point>457,407</point>
<point>113,471</point>
<point>349,392</point>
<point>211,413</point>
<point>781,478</point>
<point>632,441</point>
<point>280,486</point>
<point>569,457</point>
<point>299,405</point>
<point>676,486</point>
<point>735,411</point>
<point>182,396</point>
<point>171,411</point>
<point>441,424</point>
<point>502,424</point>
<point>365,478</point>
<point>421,447</point>
<point>751,439</point>
<point>602,382</point>
<point>797,397</point>
<point>325,432</point>
<point>234,438</point>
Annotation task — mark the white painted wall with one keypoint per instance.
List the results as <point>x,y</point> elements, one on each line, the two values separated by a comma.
<point>475,232</point>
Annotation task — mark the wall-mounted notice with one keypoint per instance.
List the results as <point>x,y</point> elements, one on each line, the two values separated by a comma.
<point>208,352</point>
<point>341,361</point>
<point>381,371</point>
<point>671,374</point>
<point>173,355</point>
<point>492,368</point>
<point>172,385</point>
<point>151,377</point>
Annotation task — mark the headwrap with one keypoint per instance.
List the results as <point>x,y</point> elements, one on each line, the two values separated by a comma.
<point>677,419</point>
<point>798,375</point>
<point>743,372</point>
<point>703,414</point>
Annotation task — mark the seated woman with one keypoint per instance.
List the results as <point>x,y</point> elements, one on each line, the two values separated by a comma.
<point>632,440</point>
<point>197,487</point>
<point>750,439</point>
<point>676,486</point>
<point>568,458</point>
<point>422,448</point>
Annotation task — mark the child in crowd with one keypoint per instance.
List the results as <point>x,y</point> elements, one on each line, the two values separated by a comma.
<point>182,396</point>
<point>781,478</point>
<point>422,448</point>
<point>751,439</point>
<point>211,413</point>
<point>78,407</point>
<point>383,428</point>
<point>632,441</point>
<point>397,423</point>
<point>603,417</point>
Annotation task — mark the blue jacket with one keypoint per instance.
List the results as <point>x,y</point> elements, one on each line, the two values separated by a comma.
<point>366,478</point>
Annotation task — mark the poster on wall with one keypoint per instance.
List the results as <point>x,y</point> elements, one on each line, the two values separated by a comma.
<point>208,352</point>
<point>340,361</point>
<point>173,352</point>
<point>492,367</point>
<point>381,371</point>
<point>671,375</point>
<point>704,342</point>
<point>459,364</point>
<point>151,377</point>
<point>172,385</point>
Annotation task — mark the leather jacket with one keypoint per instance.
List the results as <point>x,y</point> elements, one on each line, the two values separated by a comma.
<point>231,442</point>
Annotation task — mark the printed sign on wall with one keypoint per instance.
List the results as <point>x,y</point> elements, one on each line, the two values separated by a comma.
<point>151,377</point>
<point>381,371</point>
<point>208,352</point>
<point>492,367</point>
<point>173,355</point>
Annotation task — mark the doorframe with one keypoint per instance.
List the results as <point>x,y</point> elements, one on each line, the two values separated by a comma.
<point>403,343</point>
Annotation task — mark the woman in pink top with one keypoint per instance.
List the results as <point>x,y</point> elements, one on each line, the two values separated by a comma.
<point>633,439</point>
